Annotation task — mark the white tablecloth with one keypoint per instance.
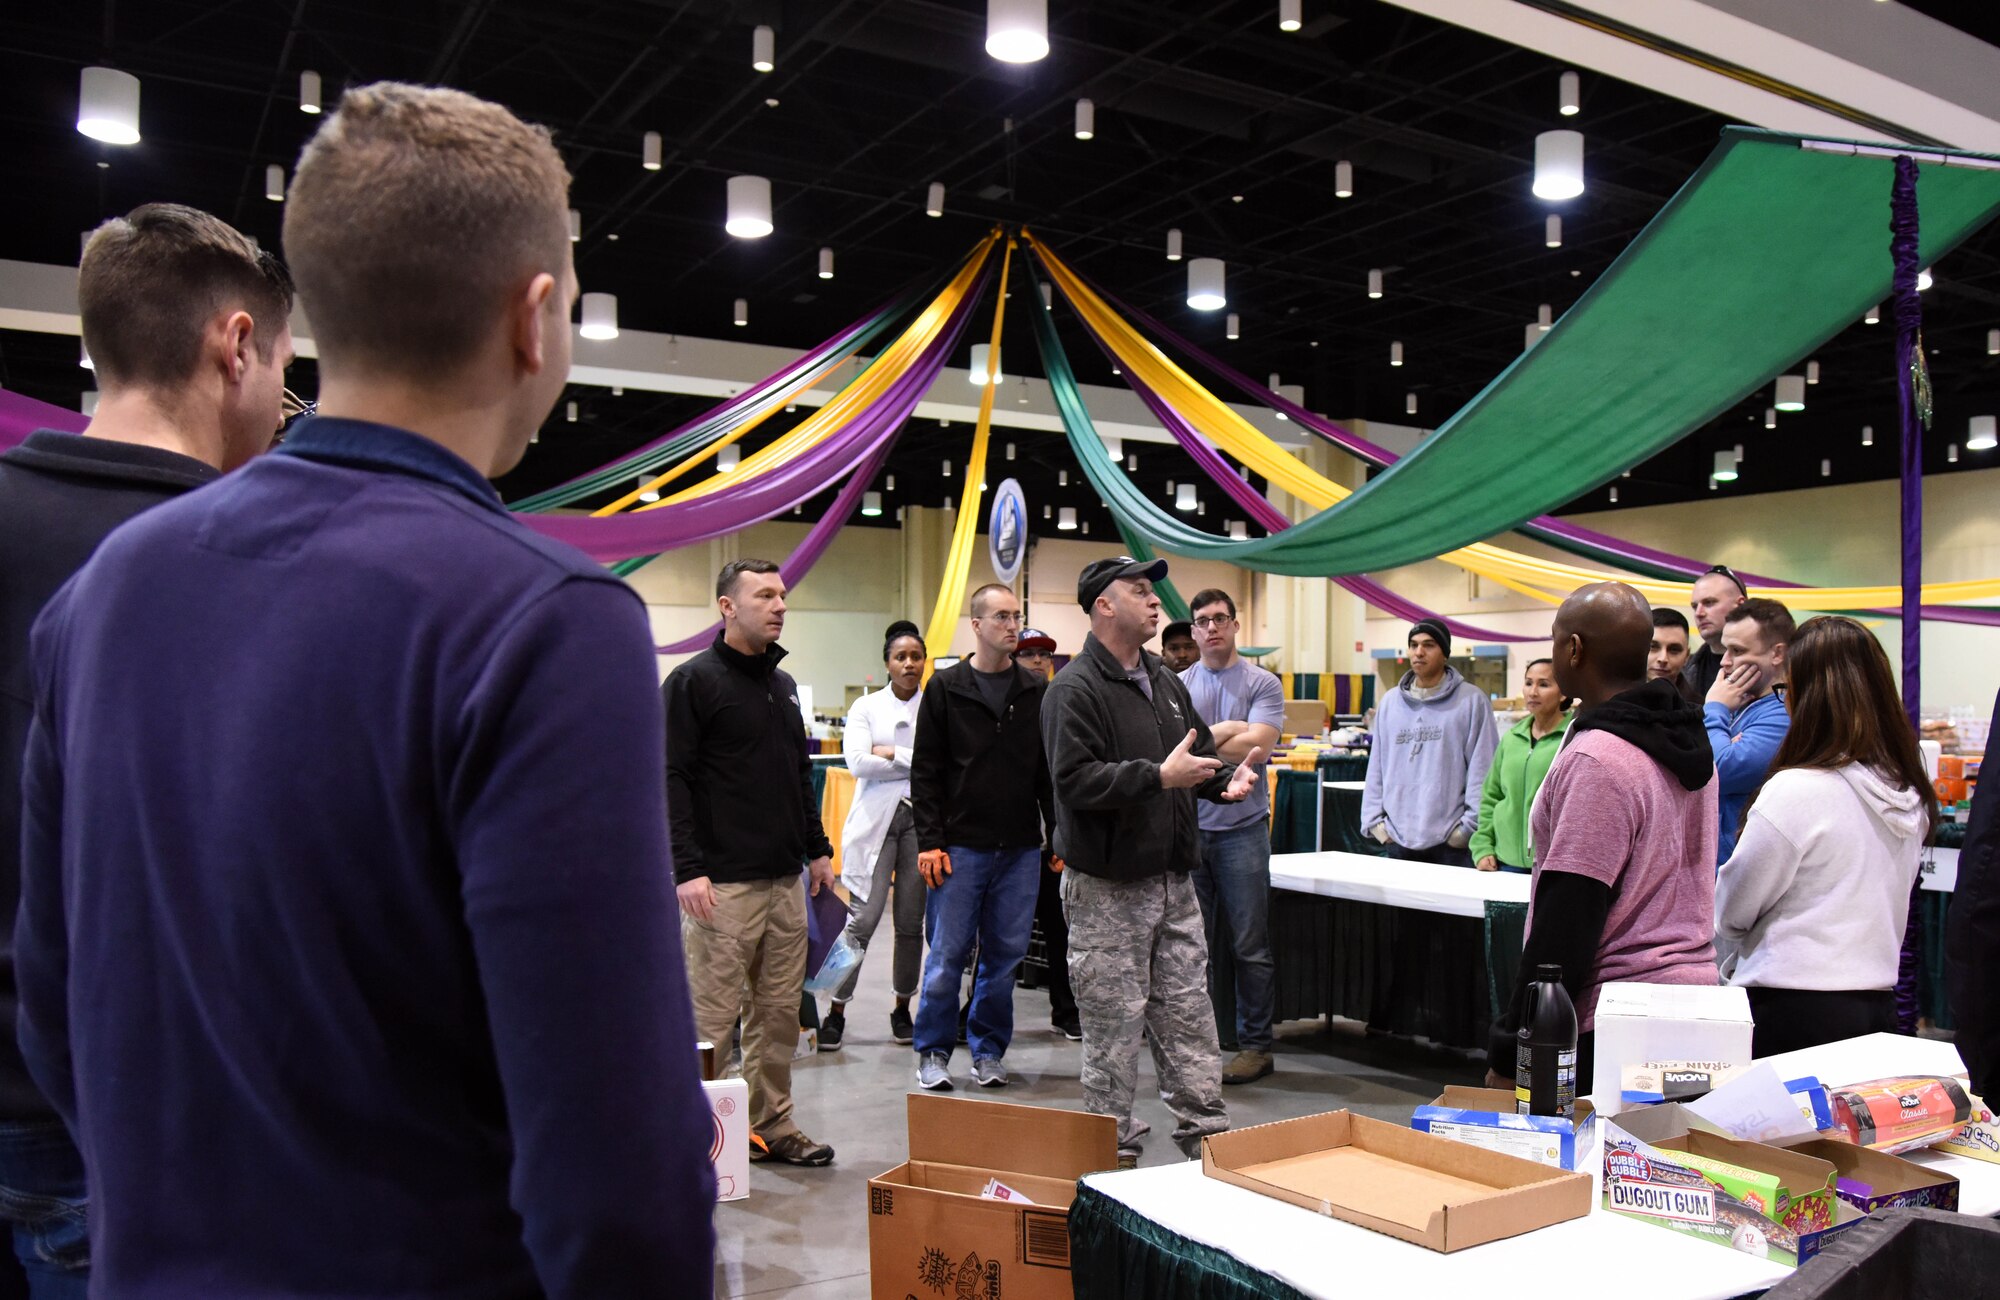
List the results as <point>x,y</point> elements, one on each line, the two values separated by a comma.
<point>1425,886</point>
<point>1600,1253</point>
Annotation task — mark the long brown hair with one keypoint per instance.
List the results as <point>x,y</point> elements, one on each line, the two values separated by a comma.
<point>1845,708</point>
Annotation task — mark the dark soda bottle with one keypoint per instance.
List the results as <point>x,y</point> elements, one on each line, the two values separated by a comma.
<point>1545,1049</point>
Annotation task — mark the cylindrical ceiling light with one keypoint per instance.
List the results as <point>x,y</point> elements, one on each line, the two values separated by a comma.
<point>1770,417</point>
<point>1868,435</point>
<point>1062,478</point>
<point>764,57</point>
<point>1010,451</point>
<point>1233,327</point>
<point>575,225</point>
<point>1086,119</point>
<point>1174,244</point>
<point>749,210</point>
<point>1017,31</point>
<point>889,483</point>
<point>83,355</point>
<point>1812,372</point>
<point>1114,446</point>
<point>728,459</point>
<point>1532,335</point>
<point>871,504</point>
<point>600,316</point>
<point>1826,469</point>
<point>1238,531</point>
<point>1982,433</point>
<point>1288,15</point>
<point>649,151</point>
<point>947,470</point>
<point>1132,463</point>
<point>1568,102</point>
<point>1274,381</point>
<point>1951,453</point>
<point>1790,391</point>
<point>1993,343</point>
<point>1170,487</point>
<point>1343,179</point>
<point>1048,511</point>
<point>1205,284</point>
<point>1395,354</point>
<point>934,200</point>
<point>826,263</point>
<point>570,413</point>
<point>1614,494</point>
<point>274,183</point>
<point>1725,466</point>
<point>1552,231</point>
<point>1924,280</point>
<point>1184,498</point>
<point>1739,453</point>
<point>1375,283</point>
<point>976,368</point>
<point>1409,404</point>
<point>1048,296</point>
<point>647,493</point>
<point>1067,519</point>
<point>107,106</point>
<point>1545,316</point>
<point>1874,316</point>
<point>1558,164</point>
<point>742,316</point>
<point>309,92</point>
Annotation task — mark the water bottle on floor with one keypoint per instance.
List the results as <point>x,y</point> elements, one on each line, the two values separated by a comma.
<point>1545,1049</point>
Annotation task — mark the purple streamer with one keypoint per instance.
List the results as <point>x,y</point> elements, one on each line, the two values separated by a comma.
<point>1909,322</point>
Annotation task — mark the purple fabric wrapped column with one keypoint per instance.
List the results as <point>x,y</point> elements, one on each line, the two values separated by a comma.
<point>1909,322</point>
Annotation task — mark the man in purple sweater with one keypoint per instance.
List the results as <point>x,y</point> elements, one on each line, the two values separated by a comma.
<point>348,945</point>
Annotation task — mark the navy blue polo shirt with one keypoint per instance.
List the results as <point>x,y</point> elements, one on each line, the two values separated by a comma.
<point>348,946</point>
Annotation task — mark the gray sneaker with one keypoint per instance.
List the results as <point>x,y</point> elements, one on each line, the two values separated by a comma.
<point>933,1072</point>
<point>988,1072</point>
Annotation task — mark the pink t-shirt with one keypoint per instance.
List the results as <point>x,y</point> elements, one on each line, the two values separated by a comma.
<point>1609,812</point>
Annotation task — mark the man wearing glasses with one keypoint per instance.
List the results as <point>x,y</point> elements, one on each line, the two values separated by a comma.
<point>1715,595</point>
<point>1244,707</point>
<point>980,796</point>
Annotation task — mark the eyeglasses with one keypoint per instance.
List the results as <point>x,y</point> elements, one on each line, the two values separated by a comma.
<point>1004,616</point>
<point>1214,620</point>
<point>1725,571</point>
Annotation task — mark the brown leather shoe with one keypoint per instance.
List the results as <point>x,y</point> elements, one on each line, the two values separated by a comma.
<point>794,1148</point>
<point>1248,1067</point>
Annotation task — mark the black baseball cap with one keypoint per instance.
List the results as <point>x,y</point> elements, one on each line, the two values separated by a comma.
<point>1033,638</point>
<point>1099,574</point>
<point>1181,628</point>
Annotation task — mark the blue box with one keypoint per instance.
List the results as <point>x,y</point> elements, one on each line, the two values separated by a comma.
<point>1484,1117</point>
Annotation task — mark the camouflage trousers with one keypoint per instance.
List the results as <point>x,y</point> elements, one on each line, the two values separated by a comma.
<point>1138,962</point>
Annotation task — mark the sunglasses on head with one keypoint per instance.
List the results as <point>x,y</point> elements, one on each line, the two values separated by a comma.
<point>1730,574</point>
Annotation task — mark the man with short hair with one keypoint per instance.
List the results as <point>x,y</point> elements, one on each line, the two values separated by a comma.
<point>1130,755</point>
<point>1036,652</point>
<point>1434,740</point>
<point>1668,653</point>
<point>345,864</point>
<point>1244,707</point>
<point>186,322</point>
<point>979,793</point>
<point>1745,716</point>
<point>1178,648</point>
<point>739,799</point>
<point>1712,597</point>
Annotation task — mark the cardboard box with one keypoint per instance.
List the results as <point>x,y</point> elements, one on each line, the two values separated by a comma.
<point>1978,1138</point>
<point>1699,1026</point>
<point>931,1233</point>
<point>1871,1181</point>
<point>729,1147</point>
<point>1305,718</point>
<point>1428,1190</point>
<point>1485,1118</point>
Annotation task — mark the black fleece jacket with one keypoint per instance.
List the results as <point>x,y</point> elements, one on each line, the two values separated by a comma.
<point>739,775</point>
<point>1972,940</point>
<point>978,779</point>
<point>1570,909</point>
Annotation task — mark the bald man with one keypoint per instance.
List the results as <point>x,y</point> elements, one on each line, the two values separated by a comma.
<point>1624,828</point>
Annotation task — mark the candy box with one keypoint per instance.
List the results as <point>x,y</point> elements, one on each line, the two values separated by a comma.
<point>1870,1180</point>
<point>1901,1114</point>
<point>1978,1138</point>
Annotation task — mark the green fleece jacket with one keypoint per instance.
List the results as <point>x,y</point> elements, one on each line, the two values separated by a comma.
<point>1519,764</point>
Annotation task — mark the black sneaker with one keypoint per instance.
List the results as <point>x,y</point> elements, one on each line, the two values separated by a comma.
<point>831,1027</point>
<point>1069,1026</point>
<point>901,1029</point>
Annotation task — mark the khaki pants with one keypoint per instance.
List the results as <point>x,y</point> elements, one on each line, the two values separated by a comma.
<point>750,960</point>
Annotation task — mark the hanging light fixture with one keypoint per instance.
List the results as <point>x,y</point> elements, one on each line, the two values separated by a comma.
<point>1545,317</point>
<point>1993,343</point>
<point>1205,284</point>
<point>1017,31</point>
<point>1086,528</point>
<point>649,151</point>
<point>742,316</point>
<point>728,459</point>
<point>1874,316</point>
<point>647,493</point>
<point>1770,417</point>
<point>309,92</point>
<point>1558,164</point>
<point>1725,466</point>
<point>1812,372</point>
<point>1790,391</point>
<point>1048,296</point>
<point>1532,336</point>
<point>1274,381</point>
<point>1170,487</point>
<point>570,413</point>
<point>1114,446</point>
<point>764,57</point>
<point>1010,451</point>
<point>889,483</point>
<point>1132,463</point>
<point>1981,433</point>
<point>1184,498</point>
<point>934,200</point>
<point>1395,354</point>
<point>1614,494</point>
<point>1567,100</point>
<point>83,355</point>
<point>575,225</point>
<point>600,316</point>
<point>947,470</point>
<point>976,369</point>
<point>274,183</point>
<point>1711,482</point>
<point>1409,404</point>
<point>749,207</point>
<point>1174,244</point>
<point>1343,179</point>
<point>1201,509</point>
<point>1868,435</point>
<point>1375,283</point>
<point>1048,511</point>
<point>1086,119</point>
<point>107,106</point>
<point>1951,453</point>
<point>1288,15</point>
<point>1924,280</point>
<point>826,263</point>
<point>1739,453</point>
<point>1238,531</point>
<point>1232,327</point>
<point>871,504</point>
<point>1552,231</point>
<point>1826,469</point>
<point>1062,478</point>
<point>1067,519</point>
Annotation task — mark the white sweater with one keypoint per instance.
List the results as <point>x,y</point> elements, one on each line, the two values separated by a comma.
<point>1818,890</point>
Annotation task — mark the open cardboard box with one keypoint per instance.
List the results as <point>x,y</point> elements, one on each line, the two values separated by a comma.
<point>1485,1118</point>
<point>931,1231</point>
<point>1428,1190</point>
<point>1871,1180</point>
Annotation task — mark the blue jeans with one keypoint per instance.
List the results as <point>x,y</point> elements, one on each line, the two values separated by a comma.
<point>42,1197</point>
<point>1233,883</point>
<point>989,898</point>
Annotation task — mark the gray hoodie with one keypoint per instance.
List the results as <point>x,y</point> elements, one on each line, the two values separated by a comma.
<point>1817,892</point>
<point>1428,765</point>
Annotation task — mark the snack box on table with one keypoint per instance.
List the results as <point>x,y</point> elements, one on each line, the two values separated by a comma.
<point>1703,1027</point>
<point>930,1229</point>
<point>1870,1180</point>
<point>1651,1085</point>
<point>1485,1118</point>
<point>1428,1190</point>
<point>1664,1165</point>
<point>1978,1138</point>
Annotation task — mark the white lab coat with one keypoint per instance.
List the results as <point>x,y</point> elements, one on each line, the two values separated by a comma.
<point>877,718</point>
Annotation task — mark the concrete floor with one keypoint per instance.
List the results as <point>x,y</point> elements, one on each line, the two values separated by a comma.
<point>804,1232</point>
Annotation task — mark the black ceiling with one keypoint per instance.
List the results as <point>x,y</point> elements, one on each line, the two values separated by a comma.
<point>1208,119</point>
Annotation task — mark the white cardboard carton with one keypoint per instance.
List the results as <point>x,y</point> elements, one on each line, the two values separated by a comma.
<point>729,1142</point>
<point>1645,1024</point>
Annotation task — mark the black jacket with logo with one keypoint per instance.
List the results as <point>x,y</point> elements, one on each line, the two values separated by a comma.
<point>739,774</point>
<point>977,778</point>
<point>1106,742</point>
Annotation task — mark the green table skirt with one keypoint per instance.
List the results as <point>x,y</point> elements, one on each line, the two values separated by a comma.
<point>1115,1254</point>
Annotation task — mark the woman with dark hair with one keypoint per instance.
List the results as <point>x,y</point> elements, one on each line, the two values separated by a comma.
<point>878,844</point>
<point>1811,905</point>
<point>1502,842</point>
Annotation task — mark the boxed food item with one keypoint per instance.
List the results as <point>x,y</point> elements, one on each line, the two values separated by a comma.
<point>1485,1118</point>
<point>1901,1114</point>
<point>1978,1138</point>
<point>1871,1180</point>
<point>1305,717</point>
<point>1685,1026</point>
<point>729,1141</point>
<point>937,1226</point>
<point>1437,1193</point>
